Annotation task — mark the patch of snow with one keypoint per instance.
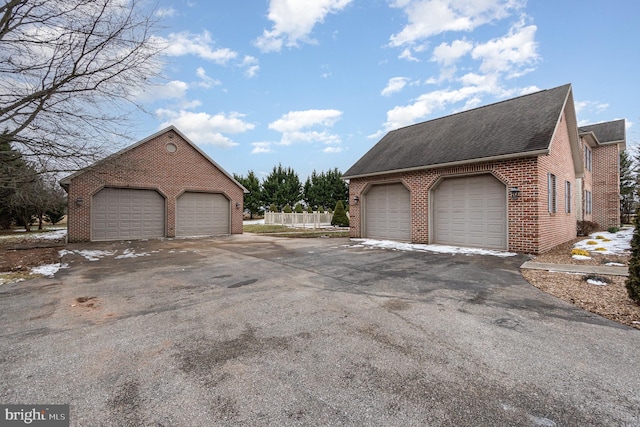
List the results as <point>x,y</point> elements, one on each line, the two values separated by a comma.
<point>596,282</point>
<point>253,221</point>
<point>615,264</point>
<point>89,255</point>
<point>56,234</point>
<point>130,253</point>
<point>388,244</point>
<point>542,421</point>
<point>619,243</point>
<point>580,257</point>
<point>48,270</point>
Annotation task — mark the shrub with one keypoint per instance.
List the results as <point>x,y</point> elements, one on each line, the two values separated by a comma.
<point>298,208</point>
<point>287,209</point>
<point>599,237</point>
<point>613,229</point>
<point>273,208</point>
<point>633,281</point>
<point>587,227</point>
<point>600,249</point>
<point>321,209</point>
<point>580,252</point>
<point>309,209</point>
<point>592,242</point>
<point>340,217</point>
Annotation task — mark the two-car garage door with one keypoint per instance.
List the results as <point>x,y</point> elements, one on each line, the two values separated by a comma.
<point>123,213</point>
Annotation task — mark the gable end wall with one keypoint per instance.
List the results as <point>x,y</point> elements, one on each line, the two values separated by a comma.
<point>151,166</point>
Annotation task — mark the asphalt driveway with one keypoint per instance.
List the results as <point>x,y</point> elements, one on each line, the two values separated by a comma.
<point>252,330</point>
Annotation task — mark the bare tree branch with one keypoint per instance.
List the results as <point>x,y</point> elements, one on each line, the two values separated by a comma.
<point>67,72</point>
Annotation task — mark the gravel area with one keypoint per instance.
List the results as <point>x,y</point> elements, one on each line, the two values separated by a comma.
<point>610,301</point>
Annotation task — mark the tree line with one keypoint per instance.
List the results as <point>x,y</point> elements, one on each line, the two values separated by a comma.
<point>26,195</point>
<point>282,190</point>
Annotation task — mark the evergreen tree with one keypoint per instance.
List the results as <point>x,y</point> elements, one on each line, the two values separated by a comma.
<point>298,208</point>
<point>253,199</point>
<point>273,208</point>
<point>633,281</point>
<point>287,209</point>
<point>309,209</point>
<point>282,186</point>
<point>627,187</point>
<point>340,217</point>
<point>325,188</point>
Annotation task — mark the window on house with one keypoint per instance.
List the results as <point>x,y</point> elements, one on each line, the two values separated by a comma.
<point>587,158</point>
<point>567,197</point>
<point>587,202</point>
<point>553,194</point>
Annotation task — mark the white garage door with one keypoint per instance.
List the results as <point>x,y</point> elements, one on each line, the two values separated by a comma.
<point>202,214</point>
<point>471,211</point>
<point>388,213</point>
<point>120,214</point>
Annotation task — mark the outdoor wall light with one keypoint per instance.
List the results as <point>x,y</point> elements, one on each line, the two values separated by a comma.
<point>514,191</point>
<point>356,199</point>
<point>237,205</point>
<point>79,201</point>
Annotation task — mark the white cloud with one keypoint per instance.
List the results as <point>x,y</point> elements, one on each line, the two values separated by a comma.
<point>261,148</point>
<point>509,53</point>
<point>394,85</point>
<point>206,82</point>
<point>297,120</point>
<point>333,150</point>
<point>251,66</point>
<point>590,106</point>
<point>448,54</point>
<point>293,126</point>
<point>166,12</point>
<point>201,45</point>
<point>203,128</point>
<point>427,18</point>
<point>293,21</point>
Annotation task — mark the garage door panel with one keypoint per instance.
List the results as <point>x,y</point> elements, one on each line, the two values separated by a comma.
<point>202,214</point>
<point>470,211</point>
<point>123,213</point>
<point>387,213</point>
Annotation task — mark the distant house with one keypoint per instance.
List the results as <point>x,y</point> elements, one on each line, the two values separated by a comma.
<point>161,186</point>
<point>515,175</point>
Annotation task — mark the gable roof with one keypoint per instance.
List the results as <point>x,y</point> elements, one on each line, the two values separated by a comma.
<point>67,180</point>
<point>518,127</point>
<point>613,132</point>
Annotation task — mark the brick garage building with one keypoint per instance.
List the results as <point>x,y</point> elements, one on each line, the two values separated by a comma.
<point>507,176</point>
<point>161,186</point>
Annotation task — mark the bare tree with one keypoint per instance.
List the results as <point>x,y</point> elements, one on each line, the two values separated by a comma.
<point>69,70</point>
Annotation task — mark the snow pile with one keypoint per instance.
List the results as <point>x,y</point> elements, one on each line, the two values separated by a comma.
<point>48,270</point>
<point>596,282</point>
<point>607,243</point>
<point>399,246</point>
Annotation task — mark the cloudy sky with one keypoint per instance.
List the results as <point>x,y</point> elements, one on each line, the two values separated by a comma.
<point>314,84</point>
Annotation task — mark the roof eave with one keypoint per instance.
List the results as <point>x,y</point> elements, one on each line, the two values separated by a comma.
<point>535,153</point>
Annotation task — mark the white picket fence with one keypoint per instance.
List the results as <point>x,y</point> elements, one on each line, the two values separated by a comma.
<point>305,219</point>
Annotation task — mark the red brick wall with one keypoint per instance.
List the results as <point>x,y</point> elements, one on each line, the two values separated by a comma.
<point>559,227</point>
<point>606,185</point>
<point>531,228</point>
<point>151,166</point>
<point>587,181</point>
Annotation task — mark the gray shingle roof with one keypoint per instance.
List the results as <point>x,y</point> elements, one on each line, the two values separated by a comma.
<point>606,132</point>
<point>512,127</point>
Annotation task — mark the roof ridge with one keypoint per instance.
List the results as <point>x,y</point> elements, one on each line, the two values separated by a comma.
<point>483,106</point>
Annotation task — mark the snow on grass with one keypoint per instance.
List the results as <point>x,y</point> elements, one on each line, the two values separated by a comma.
<point>580,257</point>
<point>53,234</point>
<point>399,246</point>
<point>597,282</point>
<point>607,243</point>
<point>48,270</point>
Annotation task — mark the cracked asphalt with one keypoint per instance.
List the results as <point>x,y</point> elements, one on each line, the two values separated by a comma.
<point>253,330</point>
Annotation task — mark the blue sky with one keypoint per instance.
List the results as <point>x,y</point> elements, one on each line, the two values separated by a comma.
<point>314,84</point>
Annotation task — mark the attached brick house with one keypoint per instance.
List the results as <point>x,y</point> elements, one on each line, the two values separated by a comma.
<point>507,176</point>
<point>161,186</point>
